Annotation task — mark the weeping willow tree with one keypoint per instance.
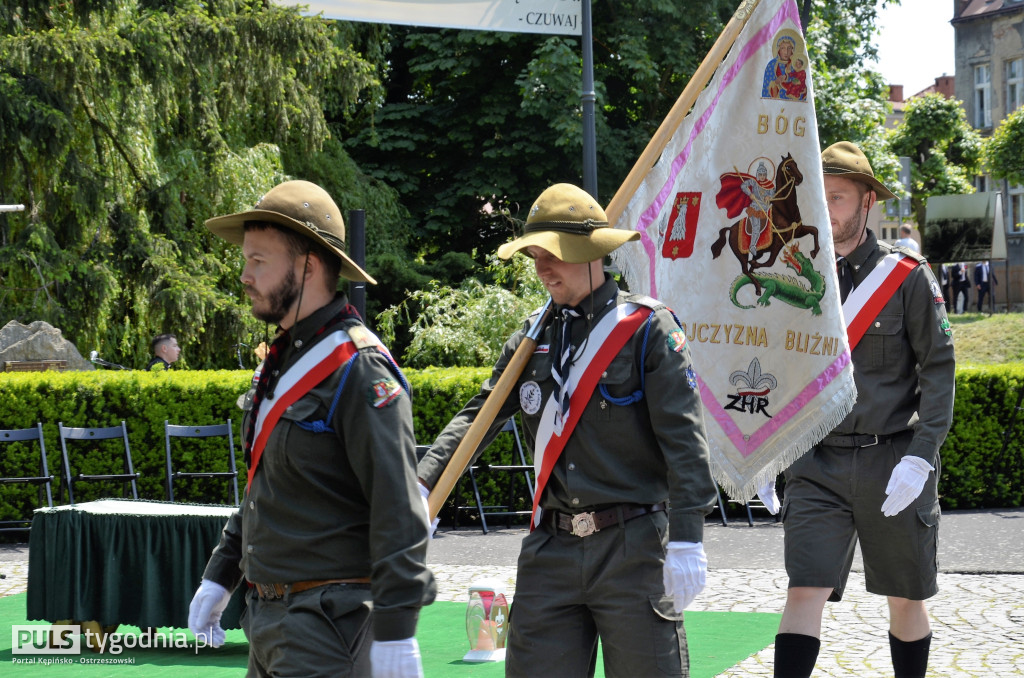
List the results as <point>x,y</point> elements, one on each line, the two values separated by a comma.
<point>123,126</point>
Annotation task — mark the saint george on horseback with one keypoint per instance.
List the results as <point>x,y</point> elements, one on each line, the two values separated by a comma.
<point>771,216</point>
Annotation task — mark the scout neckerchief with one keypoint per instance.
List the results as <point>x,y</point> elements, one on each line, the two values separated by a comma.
<point>266,372</point>
<point>869,297</point>
<point>606,340</point>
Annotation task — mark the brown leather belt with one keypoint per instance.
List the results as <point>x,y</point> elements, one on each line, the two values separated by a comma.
<point>861,439</point>
<point>275,591</point>
<point>586,524</point>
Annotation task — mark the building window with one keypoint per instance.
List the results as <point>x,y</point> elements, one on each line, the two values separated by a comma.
<point>1014,85</point>
<point>981,183</point>
<point>1016,209</point>
<point>982,96</point>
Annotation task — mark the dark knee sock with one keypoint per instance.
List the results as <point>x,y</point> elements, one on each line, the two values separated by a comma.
<point>795,655</point>
<point>910,659</point>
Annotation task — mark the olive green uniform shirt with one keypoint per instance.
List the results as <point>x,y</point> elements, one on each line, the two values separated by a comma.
<point>336,504</point>
<point>904,364</point>
<point>642,453</point>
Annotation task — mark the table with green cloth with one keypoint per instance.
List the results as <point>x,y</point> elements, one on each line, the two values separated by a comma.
<point>117,561</point>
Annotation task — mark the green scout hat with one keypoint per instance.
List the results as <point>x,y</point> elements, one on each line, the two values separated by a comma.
<point>846,160</point>
<point>300,206</point>
<point>570,224</point>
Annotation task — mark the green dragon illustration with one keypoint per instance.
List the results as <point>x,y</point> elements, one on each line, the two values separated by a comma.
<point>785,287</point>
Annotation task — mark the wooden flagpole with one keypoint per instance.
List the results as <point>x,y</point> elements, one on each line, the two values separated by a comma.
<point>464,452</point>
<point>679,110</point>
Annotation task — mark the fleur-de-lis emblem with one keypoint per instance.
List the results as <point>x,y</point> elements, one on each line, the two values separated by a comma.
<point>753,381</point>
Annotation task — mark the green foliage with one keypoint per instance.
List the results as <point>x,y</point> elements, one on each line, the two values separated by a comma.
<point>123,126</point>
<point>944,150</point>
<point>982,466</point>
<point>465,325</point>
<point>472,124</point>
<point>1003,155</point>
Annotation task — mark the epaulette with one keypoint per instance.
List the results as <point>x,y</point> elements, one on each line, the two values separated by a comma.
<point>362,337</point>
<point>916,256</point>
<point>644,300</point>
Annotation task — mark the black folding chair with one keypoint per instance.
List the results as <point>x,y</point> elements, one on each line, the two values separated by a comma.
<point>508,509</point>
<point>8,464</point>
<point>86,439</point>
<point>222,431</point>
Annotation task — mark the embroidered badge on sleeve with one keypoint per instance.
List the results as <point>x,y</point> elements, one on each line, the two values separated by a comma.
<point>383,392</point>
<point>676,340</point>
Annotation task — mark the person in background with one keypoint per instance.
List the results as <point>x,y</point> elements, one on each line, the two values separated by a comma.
<point>331,536</point>
<point>165,351</point>
<point>906,240</point>
<point>961,286</point>
<point>984,280</point>
<point>610,403</point>
<point>945,281</point>
<point>873,479</point>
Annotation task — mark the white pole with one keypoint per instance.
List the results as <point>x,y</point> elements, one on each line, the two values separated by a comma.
<point>12,208</point>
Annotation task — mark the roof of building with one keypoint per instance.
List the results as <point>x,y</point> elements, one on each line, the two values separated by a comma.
<point>972,9</point>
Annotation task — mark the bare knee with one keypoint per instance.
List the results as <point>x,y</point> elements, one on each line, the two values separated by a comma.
<point>908,619</point>
<point>804,605</point>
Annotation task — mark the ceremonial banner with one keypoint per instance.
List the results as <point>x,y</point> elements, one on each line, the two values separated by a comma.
<point>736,240</point>
<point>558,17</point>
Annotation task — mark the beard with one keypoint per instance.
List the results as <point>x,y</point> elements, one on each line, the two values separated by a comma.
<point>277,301</point>
<point>850,230</point>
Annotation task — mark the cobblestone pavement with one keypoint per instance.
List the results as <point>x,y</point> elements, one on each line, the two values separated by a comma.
<point>977,619</point>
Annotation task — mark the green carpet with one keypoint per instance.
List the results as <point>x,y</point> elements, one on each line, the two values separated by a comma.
<point>718,640</point>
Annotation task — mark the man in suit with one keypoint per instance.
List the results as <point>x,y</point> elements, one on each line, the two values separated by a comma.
<point>961,284</point>
<point>984,278</point>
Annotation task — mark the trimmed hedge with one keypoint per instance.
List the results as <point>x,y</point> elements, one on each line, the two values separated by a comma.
<point>981,466</point>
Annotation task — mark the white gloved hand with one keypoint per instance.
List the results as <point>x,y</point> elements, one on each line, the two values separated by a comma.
<point>205,610</point>
<point>766,493</point>
<point>395,659</point>
<point>685,572</point>
<point>425,493</point>
<point>905,484</point>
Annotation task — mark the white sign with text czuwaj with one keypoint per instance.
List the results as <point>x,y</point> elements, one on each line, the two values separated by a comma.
<point>556,17</point>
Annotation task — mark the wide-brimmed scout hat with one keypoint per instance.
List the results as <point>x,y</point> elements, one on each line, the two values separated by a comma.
<point>844,159</point>
<point>303,207</point>
<point>570,224</point>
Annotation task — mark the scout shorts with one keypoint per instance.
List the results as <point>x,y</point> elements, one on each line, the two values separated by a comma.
<point>833,498</point>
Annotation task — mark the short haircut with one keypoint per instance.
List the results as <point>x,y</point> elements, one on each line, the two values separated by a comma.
<point>299,245</point>
<point>904,229</point>
<point>159,339</point>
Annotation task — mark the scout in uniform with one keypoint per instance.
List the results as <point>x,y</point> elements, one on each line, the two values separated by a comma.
<point>331,536</point>
<point>610,404</point>
<point>874,477</point>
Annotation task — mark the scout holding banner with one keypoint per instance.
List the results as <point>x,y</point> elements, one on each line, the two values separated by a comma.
<point>735,236</point>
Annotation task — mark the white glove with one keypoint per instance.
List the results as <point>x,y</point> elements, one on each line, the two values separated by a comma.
<point>906,483</point>
<point>395,659</point>
<point>685,572</point>
<point>425,493</point>
<point>766,493</point>
<point>205,610</point>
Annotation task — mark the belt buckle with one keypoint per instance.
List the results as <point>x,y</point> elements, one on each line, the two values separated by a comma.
<point>583,524</point>
<point>267,591</point>
<point>875,436</point>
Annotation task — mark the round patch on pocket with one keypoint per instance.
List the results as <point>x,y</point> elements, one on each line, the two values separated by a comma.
<point>530,397</point>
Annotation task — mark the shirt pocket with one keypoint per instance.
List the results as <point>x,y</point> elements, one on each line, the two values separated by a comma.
<point>618,389</point>
<point>288,437</point>
<point>884,341</point>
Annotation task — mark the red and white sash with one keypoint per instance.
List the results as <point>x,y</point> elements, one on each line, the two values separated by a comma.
<point>317,364</point>
<point>605,341</point>
<point>867,300</point>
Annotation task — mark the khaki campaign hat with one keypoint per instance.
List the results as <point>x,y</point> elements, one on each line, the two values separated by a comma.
<point>570,224</point>
<point>300,206</point>
<point>844,159</point>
